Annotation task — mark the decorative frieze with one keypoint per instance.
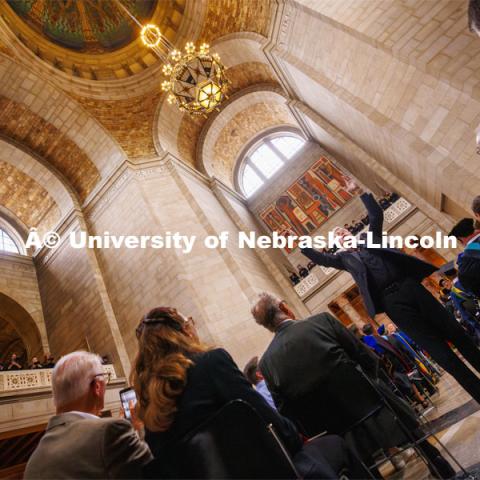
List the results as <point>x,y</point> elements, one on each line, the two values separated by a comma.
<point>14,381</point>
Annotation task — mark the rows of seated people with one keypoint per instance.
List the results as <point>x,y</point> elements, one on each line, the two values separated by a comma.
<point>317,393</point>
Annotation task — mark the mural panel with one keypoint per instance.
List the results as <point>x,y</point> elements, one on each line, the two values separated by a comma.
<point>310,200</point>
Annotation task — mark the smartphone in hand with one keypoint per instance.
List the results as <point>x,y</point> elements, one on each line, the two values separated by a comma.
<point>127,395</point>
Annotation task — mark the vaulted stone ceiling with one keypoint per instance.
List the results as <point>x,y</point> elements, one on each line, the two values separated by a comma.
<point>27,199</point>
<point>40,136</point>
<point>91,62</point>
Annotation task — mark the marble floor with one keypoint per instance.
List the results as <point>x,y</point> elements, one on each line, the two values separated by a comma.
<point>455,419</point>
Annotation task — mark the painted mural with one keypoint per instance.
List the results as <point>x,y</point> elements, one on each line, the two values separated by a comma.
<point>92,26</point>
<point>310,200</point>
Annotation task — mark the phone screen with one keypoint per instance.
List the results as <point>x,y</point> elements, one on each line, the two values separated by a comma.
<point>127,395</point>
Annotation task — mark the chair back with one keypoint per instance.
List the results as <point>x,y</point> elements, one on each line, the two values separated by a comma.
<point>341,401</point>
<point>234,443</point>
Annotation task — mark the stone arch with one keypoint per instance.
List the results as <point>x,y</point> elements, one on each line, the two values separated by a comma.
<point>32,192</point>
<point>254,111</point>
<point>57,110</point>
<point>23,322</point>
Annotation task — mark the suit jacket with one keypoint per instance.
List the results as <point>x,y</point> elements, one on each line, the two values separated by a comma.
<point>409,266</point>
<point>304,353</point>
<point>213,381</point>
<point>81,446</point>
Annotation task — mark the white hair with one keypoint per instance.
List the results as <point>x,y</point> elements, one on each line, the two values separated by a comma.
<point>73,375</point>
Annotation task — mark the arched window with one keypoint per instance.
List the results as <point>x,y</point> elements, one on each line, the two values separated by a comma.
<point>6,243</point>
<point>265,158</point>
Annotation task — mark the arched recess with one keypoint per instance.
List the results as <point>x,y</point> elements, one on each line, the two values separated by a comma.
<point>22,321</point>
<point>225,135</point>
<point>61,114</point>
<point>32,190</point>
<point>246,66</point>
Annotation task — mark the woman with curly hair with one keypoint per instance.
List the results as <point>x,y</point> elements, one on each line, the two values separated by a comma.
<point>180,383</point>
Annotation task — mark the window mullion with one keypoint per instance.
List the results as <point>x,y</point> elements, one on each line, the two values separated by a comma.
<point>276,151</point>
<point>256,170</point>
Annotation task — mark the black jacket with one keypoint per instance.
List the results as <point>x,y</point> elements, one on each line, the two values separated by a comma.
<point>469,267</point>
<point>411,267</point>
<point>304,353</point>
<point>213,381</point>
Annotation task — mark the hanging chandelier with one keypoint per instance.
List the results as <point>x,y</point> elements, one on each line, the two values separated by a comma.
<point>195,79</point>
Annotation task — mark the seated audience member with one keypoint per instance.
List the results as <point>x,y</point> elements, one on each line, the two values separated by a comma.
<point>35,364</point>
<point>310,265</point>
<point>305,354</point>
<point>469,261</point>
<point>255,377</point>
<point>180,383</point>
<point>14,363</point>
<point>467,310</point>
<point>48,361</point>
<point>77,443</point>
<point>395,365</point>
<point>294,278</point>
<point>384,202</point>
<point>393,197</point>
<point>359,227</point>
<point>348,227</point>
<point>303,271</point>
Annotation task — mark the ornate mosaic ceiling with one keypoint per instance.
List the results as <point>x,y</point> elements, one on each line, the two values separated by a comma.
<point>90,39</point>
<point>93,26</point>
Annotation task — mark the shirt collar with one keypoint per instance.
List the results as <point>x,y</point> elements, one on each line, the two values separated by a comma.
<point>85,414</point>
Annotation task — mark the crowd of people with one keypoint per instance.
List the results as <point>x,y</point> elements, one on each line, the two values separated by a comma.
<point>303,384</point>
<point>355,227</point>
<point>16,363</point>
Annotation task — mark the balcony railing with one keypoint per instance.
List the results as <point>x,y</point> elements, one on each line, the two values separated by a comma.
<point>20,380</point>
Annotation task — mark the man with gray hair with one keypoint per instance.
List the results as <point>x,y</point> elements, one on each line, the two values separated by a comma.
<point>77,443</point>
<point>303,361</point>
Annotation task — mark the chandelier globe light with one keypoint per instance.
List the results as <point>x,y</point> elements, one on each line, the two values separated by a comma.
<point>195,79</point>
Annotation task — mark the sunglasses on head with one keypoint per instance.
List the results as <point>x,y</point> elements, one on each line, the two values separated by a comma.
<point>157,318</point>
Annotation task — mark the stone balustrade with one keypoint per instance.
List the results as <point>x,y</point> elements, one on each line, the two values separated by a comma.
<point>20,380</point>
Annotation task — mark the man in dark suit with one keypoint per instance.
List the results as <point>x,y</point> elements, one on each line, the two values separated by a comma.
<point>390,281</point>
<point>306,355</point>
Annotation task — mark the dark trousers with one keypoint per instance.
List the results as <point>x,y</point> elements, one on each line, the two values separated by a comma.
<point>328,457</point>
<point>415,311</point>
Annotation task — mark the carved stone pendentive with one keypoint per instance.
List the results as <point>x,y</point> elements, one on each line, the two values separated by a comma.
<point>161,168</point>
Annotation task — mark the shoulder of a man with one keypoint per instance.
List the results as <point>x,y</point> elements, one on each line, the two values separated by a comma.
<point>124,453</point>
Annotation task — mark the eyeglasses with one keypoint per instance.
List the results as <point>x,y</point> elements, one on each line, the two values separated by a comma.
<point>107,377</point>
